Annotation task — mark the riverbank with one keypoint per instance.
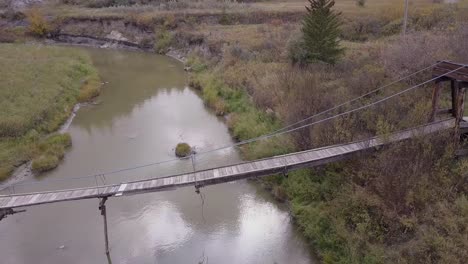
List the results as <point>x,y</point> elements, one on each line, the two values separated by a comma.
<point>405,204</point>
<point>41,88</point>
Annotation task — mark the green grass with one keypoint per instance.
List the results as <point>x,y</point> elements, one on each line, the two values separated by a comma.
<point>39,87</point>
<point>245,120</point>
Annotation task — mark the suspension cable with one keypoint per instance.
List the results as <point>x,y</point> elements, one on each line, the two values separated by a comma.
<point>270,135</point>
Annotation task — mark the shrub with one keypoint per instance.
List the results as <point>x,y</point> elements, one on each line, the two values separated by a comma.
<point>163,41</point>
<point>196,64</point>
<point>89,89</point>
<point>361,3</point>
<point>45,163</point>
<point>430,17</point>
<point>220,107</point>
<point>63,140</point>
<point>297,53</point>
<point>225,18</point>
<point>5,172</point>
<point>183,150</point>
<point>392,28</point>
<point>38,25</point>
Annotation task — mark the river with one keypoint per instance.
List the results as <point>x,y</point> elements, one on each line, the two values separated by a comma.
<point>144,110</point>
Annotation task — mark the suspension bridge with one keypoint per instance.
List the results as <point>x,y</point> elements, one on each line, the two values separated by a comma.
<point>444,71</point>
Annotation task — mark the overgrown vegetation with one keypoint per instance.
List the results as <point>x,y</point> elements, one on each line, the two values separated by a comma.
<point>38,25</point>
<point>404,204</point>
<point>163,41</point>
<point>52,150</point>
<point>39,87</point>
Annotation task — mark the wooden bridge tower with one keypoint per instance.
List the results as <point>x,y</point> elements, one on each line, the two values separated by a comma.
<point>458,83</point>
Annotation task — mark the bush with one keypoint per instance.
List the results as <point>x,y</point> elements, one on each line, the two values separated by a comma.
<point>51,150</point>
<point>163,41</point>
<point>196,64</point>
<point>63,140</point>
<point>297,53</point>
<point>90,89</point>
<point>5,172</point>
<point>392,28</point>
<point>38,25</point>
<point>45,163</point>
<point>183,150</point>
<point>361,3</point>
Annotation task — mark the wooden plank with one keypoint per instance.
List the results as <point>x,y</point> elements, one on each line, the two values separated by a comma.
<point>435,100</point>
<point>4,201</point>
<point>445,67</point>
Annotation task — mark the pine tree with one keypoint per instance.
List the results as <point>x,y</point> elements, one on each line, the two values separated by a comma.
<point>321,30</point>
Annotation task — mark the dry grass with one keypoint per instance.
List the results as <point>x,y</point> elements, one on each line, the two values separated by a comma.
<point>348,7</point>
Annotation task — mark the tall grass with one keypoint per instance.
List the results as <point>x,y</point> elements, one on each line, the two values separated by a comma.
<point>39,86</point>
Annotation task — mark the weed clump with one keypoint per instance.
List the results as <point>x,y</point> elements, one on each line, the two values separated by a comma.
<point>38,24</point>
<point>163,41</point>
<point>51,150</point>
<point>45,163</point>
<point>183,150</point>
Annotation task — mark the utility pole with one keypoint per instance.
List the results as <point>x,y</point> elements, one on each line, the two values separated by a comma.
<point>405,19</point>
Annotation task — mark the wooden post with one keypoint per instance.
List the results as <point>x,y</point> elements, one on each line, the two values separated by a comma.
<point>405,18</point>
<point>454,97</point>
<point>435,99</point>
<point>460,106</point>
<point>102,207</point>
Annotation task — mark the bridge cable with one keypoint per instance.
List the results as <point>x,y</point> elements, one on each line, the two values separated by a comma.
<point>354,100</point>
<point>267,136</point>
<point>335,116</point>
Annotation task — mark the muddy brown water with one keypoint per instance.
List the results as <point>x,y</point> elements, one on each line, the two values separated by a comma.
<point>144,111</point>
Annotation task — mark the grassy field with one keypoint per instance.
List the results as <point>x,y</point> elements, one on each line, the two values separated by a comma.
<point>39,87</point>
<point>348,7</point>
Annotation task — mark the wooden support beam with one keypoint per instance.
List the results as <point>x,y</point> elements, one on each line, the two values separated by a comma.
<point>446,68</point>
<point>435,100</point>
<point>102,208</point>
<point>454,96</point>
<point>444,111</point>
<point>460,106</point>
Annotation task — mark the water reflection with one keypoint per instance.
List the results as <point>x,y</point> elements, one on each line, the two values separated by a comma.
<point>140,120</point>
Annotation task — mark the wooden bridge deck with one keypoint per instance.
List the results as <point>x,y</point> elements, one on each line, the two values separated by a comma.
<point>269,166</point>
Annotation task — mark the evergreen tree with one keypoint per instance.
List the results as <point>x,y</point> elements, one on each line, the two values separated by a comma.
<point>321,29</point>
